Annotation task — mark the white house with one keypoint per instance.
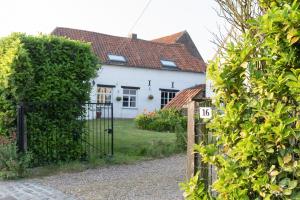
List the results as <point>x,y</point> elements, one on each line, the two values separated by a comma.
<point>139,75</point>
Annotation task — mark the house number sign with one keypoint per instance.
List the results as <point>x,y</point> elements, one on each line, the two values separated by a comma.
<point>205,112</point>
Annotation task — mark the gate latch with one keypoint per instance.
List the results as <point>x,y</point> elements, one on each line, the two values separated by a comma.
<point>109,130</point>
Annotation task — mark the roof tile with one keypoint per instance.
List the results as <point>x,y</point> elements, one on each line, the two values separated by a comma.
<point>184,96</point>
<point>139,53</point>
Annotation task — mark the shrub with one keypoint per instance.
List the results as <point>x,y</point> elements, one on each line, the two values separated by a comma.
<point>158,149</point>
<point>42,70</point>
<point>162,120</point>
<point>257,87</point>
<point>12,164</point>
<point>165,120</point>
<point>181,137</point>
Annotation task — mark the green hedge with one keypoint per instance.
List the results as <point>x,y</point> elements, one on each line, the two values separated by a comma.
<point>46,69</point>
<point>162,120</point>
<point>257,86</point>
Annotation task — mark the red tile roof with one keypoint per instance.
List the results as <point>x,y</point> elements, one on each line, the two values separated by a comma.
<point>139,53</point>
<point>170,39</point>
<point>183,97</point>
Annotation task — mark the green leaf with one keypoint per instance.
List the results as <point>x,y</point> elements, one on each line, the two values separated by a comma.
<point>293,184</point>
<point>287,158</point>
<point>287,192</point>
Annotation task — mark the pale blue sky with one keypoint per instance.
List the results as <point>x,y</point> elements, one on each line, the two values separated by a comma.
<point>115,17</point>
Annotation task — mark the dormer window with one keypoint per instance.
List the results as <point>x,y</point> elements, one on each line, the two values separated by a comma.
<point>168,63</point>
<point>116,58</point>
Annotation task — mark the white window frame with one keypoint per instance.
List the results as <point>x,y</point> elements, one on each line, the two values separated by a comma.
<point>99,93</point>
<point>129,97</point>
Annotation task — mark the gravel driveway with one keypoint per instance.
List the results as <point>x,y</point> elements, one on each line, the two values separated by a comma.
<point>148,180</point>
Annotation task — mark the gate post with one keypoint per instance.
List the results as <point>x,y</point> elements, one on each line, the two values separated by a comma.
<point>21,133</point>
<point>112,129</point>
<point>191,139</point>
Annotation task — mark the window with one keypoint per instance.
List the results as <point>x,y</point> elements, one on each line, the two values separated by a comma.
<point>116,58</point>
<point>129,98</point>
<point>167,96</point>
<point>168,63</point>
<point>104,94</point>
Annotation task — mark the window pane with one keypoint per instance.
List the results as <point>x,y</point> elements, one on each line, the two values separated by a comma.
<point>125,103</point>
<point>132,98</point>
<point>107,98</point>
<point>118,58</point>
<point>125,98</point>
<point>133,92</point>
<point>125,91</point>
<point>100,98</point>
<point>132,104</point>
<point>108,90</point>
<point>102,90</point>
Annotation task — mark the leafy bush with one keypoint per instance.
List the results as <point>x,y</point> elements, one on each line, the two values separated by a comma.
<point>165,120</point>
<point>195,189</point>
<point>162,120</point>
<point>258,88</point>
<point>12,164</point>
<point>158,149</point>
<point>181,137</point>
<point>51,75</point>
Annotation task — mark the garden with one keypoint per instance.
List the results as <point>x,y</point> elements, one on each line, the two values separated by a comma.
<point>44,93</point>
<point>131,145</point>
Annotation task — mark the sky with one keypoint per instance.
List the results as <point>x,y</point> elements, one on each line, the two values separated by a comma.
<point>116,17</point>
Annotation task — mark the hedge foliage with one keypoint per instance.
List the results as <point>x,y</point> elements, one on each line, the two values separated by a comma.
<point>40,70</point>
<point>165,120</point>
<point>257,86</point>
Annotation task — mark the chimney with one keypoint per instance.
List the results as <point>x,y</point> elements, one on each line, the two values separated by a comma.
<point>133,36</point>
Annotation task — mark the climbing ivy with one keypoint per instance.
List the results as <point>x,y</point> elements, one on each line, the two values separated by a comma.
<point>257,88</point>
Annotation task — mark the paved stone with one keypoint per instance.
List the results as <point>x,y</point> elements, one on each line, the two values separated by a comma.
<point>148,180</point>
<point>27,190</point>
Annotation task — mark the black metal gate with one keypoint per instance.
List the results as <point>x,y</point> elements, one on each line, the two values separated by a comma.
<point>52,135</point>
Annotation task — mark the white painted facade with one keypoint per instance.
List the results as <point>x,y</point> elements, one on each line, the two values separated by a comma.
<point>209,89</point>
<point>120,76</point>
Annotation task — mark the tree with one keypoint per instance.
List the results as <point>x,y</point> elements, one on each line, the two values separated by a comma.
<point>236,14</point>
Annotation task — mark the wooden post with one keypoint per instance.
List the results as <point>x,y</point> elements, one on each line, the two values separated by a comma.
<point>190,139</point>
<point>21,128</point>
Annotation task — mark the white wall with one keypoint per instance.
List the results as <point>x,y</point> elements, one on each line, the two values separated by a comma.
<point>209,89</point>
<point>138,77</point>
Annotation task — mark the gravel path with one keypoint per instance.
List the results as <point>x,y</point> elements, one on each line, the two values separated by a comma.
<point>148,180</point>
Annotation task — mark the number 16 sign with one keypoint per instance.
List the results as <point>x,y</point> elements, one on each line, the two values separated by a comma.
<point>205,112</point>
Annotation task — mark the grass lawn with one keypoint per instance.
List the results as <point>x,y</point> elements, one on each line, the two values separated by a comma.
<point>135,144</point>
<point>130,145</point>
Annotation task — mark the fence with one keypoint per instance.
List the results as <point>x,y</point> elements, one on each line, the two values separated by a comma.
<point>198,133</point>
<point>52,135</point>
